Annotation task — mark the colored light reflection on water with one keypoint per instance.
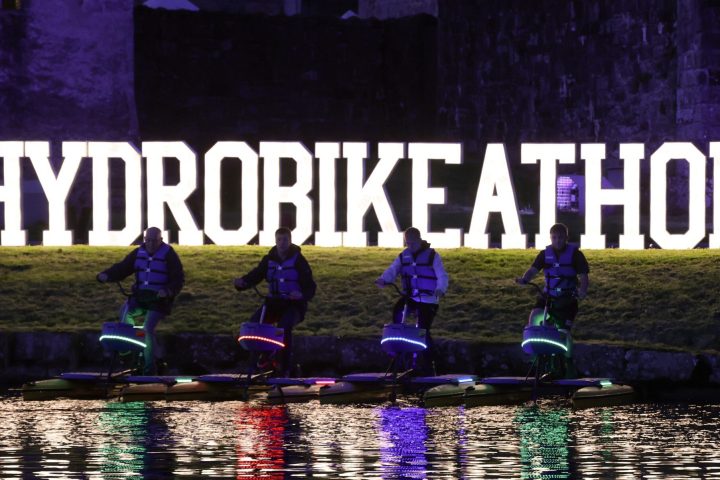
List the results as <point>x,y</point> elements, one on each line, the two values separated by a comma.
<point>104,440</point>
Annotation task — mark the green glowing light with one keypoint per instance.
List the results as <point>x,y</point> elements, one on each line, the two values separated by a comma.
<point>605,383</point>
<point>183,379</point>
<point>545,340</point>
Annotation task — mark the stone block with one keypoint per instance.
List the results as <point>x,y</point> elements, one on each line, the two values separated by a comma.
<point>647,365</point>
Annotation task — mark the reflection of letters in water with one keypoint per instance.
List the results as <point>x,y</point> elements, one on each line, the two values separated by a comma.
<point>364,191</point>
<point>544,442</point>
<point>403,437</point>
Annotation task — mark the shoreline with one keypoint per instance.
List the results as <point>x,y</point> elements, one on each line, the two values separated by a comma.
<point>28,356</point>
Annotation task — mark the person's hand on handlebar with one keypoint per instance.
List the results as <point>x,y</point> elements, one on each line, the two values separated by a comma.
<point>102,277</point>
<point>240,283</point>
<point>439,293</point>
<point>380,282</point>
<point>295,295</point>
<point>163,293</point>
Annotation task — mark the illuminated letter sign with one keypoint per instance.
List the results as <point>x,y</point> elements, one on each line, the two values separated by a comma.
<point>495,177</point>
<point>248,188</point>
<point>628,196</point>
<point>297,194</point>
<point>159,194</point>
<point>658,190</point>
<point>423,195</point>
<point>547,154</point>
<point>327,154</point>
<point>372,193</point>
<point>10,194</point>
<point>101,152</point>
<point>56,188</point>
<point>364,191</point>
<point>715,155</point>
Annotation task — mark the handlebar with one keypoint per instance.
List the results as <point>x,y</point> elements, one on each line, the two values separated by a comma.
<point>122,290</point>
<point>264,297</point>
<point>407,295</point>
<point>541,291</point>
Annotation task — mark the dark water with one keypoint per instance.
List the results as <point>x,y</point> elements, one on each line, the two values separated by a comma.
<point>104,440</point>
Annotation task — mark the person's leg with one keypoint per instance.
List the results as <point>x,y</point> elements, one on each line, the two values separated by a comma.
<point>426,315</point>
<point>130,313</point>
<point>269,313</point>
<point>536,316</point>
<point>152,318</point>
<point>397,313</point>
<point>565,311</point>
<point>290,317</point>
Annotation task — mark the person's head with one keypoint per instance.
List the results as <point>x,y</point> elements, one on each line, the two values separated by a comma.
<point>558,236</point>
<point>152,240</point>
<point>283,238</point>
<point>413,240</point>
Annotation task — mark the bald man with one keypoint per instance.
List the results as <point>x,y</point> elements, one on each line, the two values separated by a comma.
<point>159,277</point>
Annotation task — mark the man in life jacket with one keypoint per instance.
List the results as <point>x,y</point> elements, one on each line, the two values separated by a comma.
<point>291,286</point>
<point>159,277</point>
<point>424,281</point>
<point>566,281</point>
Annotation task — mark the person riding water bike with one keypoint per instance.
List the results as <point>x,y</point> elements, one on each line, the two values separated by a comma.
<point>291,286</point>
<point>424,281</point>
<point>159,278</point>
<point>566,280</point>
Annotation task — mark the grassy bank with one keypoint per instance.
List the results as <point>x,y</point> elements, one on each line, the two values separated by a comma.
<point>653,298</point>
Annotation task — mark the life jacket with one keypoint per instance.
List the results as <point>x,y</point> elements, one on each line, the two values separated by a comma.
<point>418,274</point>
<point>151,271</point>
<point>560,275</point>
<point>283,277</point>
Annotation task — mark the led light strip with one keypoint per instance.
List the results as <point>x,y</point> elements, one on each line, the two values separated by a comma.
<point>123,339</point>
<point>544,340</point>
<point>325,382</point>
<point>401,339</point>
<point>261,339</point>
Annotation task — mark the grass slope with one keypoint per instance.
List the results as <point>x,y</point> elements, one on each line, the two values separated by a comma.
<point>652,298</point>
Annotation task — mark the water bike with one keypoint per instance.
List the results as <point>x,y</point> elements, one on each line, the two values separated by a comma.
<point>402,342</point>
<point>263,341</point>
<point>550,348</point>
<point>119,339</point>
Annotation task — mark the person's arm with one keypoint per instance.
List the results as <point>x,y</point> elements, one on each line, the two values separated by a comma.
<point>584,284</point>
<point>442,276</point>
<point>305,278</point>
<point>176,274</point>
<point>583,269</point>
<point>534,269</point>
<point>120,270</point>
<point>255,276</point>
<point>389,275</point>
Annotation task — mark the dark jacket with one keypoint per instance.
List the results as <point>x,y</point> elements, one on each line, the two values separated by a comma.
<point>305,278</point>
<point>176,277</point>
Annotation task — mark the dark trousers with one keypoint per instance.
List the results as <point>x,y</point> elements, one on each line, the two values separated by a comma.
<point>423,313</point>
<point>563,310</point>
<point>286,314</point>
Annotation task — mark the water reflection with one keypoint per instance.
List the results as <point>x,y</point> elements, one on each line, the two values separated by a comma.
<point>260,441</point>
<point>544,442</point>
<point>137,442</point>
<point>99,440</point>
<point>403,434</point>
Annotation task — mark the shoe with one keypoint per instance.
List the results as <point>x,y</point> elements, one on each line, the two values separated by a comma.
<point>263,363</point>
